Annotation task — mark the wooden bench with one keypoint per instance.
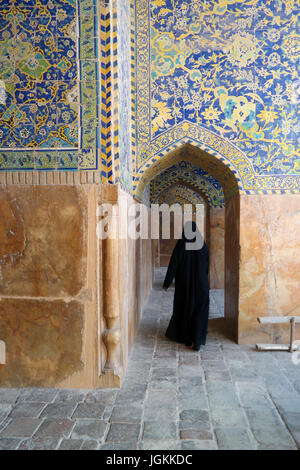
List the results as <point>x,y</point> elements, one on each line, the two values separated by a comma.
<point>275,321</point>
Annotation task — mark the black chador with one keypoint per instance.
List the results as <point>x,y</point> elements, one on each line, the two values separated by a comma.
<point>191,300</point>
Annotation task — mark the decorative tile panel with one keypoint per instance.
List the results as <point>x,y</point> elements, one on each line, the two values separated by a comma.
<point>124,92</point>
<point>223,75</point>
<point>199,179</point>
<point>49,84</point>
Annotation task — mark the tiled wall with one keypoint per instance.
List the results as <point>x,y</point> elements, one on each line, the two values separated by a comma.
<point>49,82</point>
<point>223,76</point>
<point>124,92</point>
<point>66,73</point>
<point>187,172</point>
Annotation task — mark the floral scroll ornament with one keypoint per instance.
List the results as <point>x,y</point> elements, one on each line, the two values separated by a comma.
<point>229,70</point>
<point>242,50</point>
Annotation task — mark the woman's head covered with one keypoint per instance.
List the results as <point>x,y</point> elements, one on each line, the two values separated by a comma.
<point>192,237</point>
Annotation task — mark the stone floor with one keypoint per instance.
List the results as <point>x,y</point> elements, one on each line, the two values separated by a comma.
<point>224,397</point>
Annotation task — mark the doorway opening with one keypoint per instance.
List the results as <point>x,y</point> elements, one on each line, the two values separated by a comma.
<point>190,175</point>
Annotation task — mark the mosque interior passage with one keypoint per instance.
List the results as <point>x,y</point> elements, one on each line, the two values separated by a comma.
<point>60,277</point>
<point>190,177</point>
<point>117,100</point>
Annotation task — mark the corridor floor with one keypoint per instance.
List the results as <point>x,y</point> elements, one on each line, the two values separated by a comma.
<point>224,397</point>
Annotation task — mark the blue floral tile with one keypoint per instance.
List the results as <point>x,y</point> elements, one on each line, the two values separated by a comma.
<point>86,7</point>
<point>63,24</point>
<point>23,160</point>
<point>47,42</point>
<point>230,67</point>
<point>67,92</point>
<point>88,70</point>
<point>7,69</point>
<point>67,160</point>
<point>39,88</point>
<point>45,160</point>
<point>87,26</point>
<point>25,3</point>
<point>5,134</point>
<point>88,48</point>
<point>66,115</point>
<point>66,69</point>
<point>65,9</point>
<point>66,48</point>
<point>48,7</point>
<point>25,92</point>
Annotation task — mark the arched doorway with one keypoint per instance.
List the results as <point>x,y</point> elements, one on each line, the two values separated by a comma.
<point>229,181</point>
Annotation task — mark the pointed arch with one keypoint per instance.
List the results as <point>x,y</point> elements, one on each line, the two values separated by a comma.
<point>228,177</point>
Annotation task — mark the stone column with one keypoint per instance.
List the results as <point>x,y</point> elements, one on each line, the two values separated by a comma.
<point>110,293</point>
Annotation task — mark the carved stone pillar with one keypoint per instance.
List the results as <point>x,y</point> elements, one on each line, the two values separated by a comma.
<point>110,292</point>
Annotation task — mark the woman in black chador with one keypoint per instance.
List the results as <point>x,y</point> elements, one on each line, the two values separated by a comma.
<point>191,300</point>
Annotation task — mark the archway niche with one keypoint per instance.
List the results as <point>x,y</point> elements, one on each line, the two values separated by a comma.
<point>180,192</point>
<point>229,182</point>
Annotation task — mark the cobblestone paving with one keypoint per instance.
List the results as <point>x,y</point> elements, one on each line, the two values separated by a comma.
<point>224,397</point>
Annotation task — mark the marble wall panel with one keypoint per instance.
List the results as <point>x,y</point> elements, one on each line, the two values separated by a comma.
<point>44,341</point>
<point>269,264</point>
<point>42,241</point>
<point>217,248</point>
